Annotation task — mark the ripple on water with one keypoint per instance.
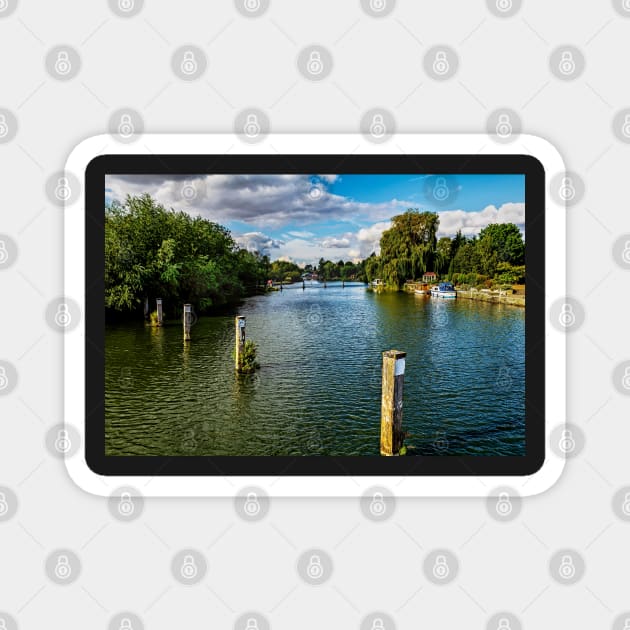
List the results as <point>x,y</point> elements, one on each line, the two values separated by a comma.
<point>318,389</point>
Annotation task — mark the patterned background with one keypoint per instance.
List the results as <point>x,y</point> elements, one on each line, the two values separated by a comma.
<point>72,69</point>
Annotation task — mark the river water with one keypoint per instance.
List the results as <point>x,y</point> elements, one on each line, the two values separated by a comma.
<point>319,387</point>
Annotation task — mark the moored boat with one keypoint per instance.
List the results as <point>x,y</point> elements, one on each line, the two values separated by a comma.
<point>443,290</point>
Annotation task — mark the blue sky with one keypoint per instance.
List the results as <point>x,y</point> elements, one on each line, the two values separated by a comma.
<point>305,217</point>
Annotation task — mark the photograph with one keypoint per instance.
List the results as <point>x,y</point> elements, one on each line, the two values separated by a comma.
<point>315,314</point>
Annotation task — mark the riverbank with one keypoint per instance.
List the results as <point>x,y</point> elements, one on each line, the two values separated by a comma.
<point>496,297</point>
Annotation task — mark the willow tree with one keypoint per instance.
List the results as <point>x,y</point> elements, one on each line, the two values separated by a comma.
<point>408,248</point>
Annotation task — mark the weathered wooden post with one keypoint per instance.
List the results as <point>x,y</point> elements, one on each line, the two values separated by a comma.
<point>393,378</point>
<point>343,284</point>
<point>187,321</point>
<point>146,309</point>
<point>160,316</point>
<point>303,284</point>
<point>239,323</point>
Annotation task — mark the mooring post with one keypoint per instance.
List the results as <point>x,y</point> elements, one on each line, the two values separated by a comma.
<point>146,309</point>
<point>239,323</point>
<point>187,321</point>
<point>343,284</point>
<point>280,285</point>
<point>303,285</point>
<point>160,316</point>
<point>393,379</point>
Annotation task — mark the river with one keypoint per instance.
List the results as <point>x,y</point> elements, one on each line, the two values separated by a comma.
<point>319,386</point>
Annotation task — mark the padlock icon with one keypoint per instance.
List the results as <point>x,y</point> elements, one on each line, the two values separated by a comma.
<point>441,570</point>
<point>63,443</point>
<point>626,624</point>
<point>126,506</point>
<point>126,5</point>
<point>625,506</point>
<point>63,66</point>
<point>62,317</point>
<point>252,126</point>
<point>3,623</point>
<point>251,624</point>
<point>63,570</point>
<point>377,505</point>
<point>377,5</point>
<point>504,126</point>
<point>504,380</point>
<point>626,5</point>
<point>378,624</point>
<point>125,624</point>
<point>252,504</point>
<point>504,5</point>
<point>625,255</point>
<point>567,568</point>
<point>625,381</point>
<point>567,442</point>
<point>4,5</point>
<point>63,190</point>
<point>4,506</point>
<point>567,189</point>
<point>567,63</point>
<point>567,316</point>
<point>4,379</point>
<point>440,190</point>
<point>4,254</point>
<point>4,128</point>
<point>252,5</point>
<point>315,192</point>
<point>440,442</point>
<point>189,192</point>
<point>189,64</point>
<point>441,65</point>
<point>315,570</point>
<point>377,126</point>
<point>625,128</point>
<point>504,505</point>
<point>125,127</point>
<point>504,624</point>
<point>189,568</point>
<point>315,64</point>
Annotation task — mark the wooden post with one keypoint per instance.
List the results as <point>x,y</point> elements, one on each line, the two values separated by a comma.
<point>393,378</point>
<point>280,285</point>
<point>187,321</point>
<point>343,284</point>
<point>146,309</point>
<point>303,285</point>
<point>239,324</point>
<point>160,316</point>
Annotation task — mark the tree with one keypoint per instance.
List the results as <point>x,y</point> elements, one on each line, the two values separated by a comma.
<point>408,248</point>
<point>154,252</point>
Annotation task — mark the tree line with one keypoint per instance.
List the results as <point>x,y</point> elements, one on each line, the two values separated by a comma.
<point>410,248</point>
<point>154,252</point>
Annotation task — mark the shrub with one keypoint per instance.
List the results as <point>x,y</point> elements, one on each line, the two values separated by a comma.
<point>247,359</point>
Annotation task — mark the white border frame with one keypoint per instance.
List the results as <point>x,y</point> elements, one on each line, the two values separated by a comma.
<point>316,486</point>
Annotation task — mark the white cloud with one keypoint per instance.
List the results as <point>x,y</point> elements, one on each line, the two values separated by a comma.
<point>258,242</point>
<point>471,223</point>
<point>300,234</point>
<point>336,243</point>
<point>264,201</point>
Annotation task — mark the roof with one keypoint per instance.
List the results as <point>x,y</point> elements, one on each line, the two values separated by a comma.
<point>429,273</point>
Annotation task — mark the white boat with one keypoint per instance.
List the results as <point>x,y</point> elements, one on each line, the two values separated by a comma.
<point>443,290</point>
